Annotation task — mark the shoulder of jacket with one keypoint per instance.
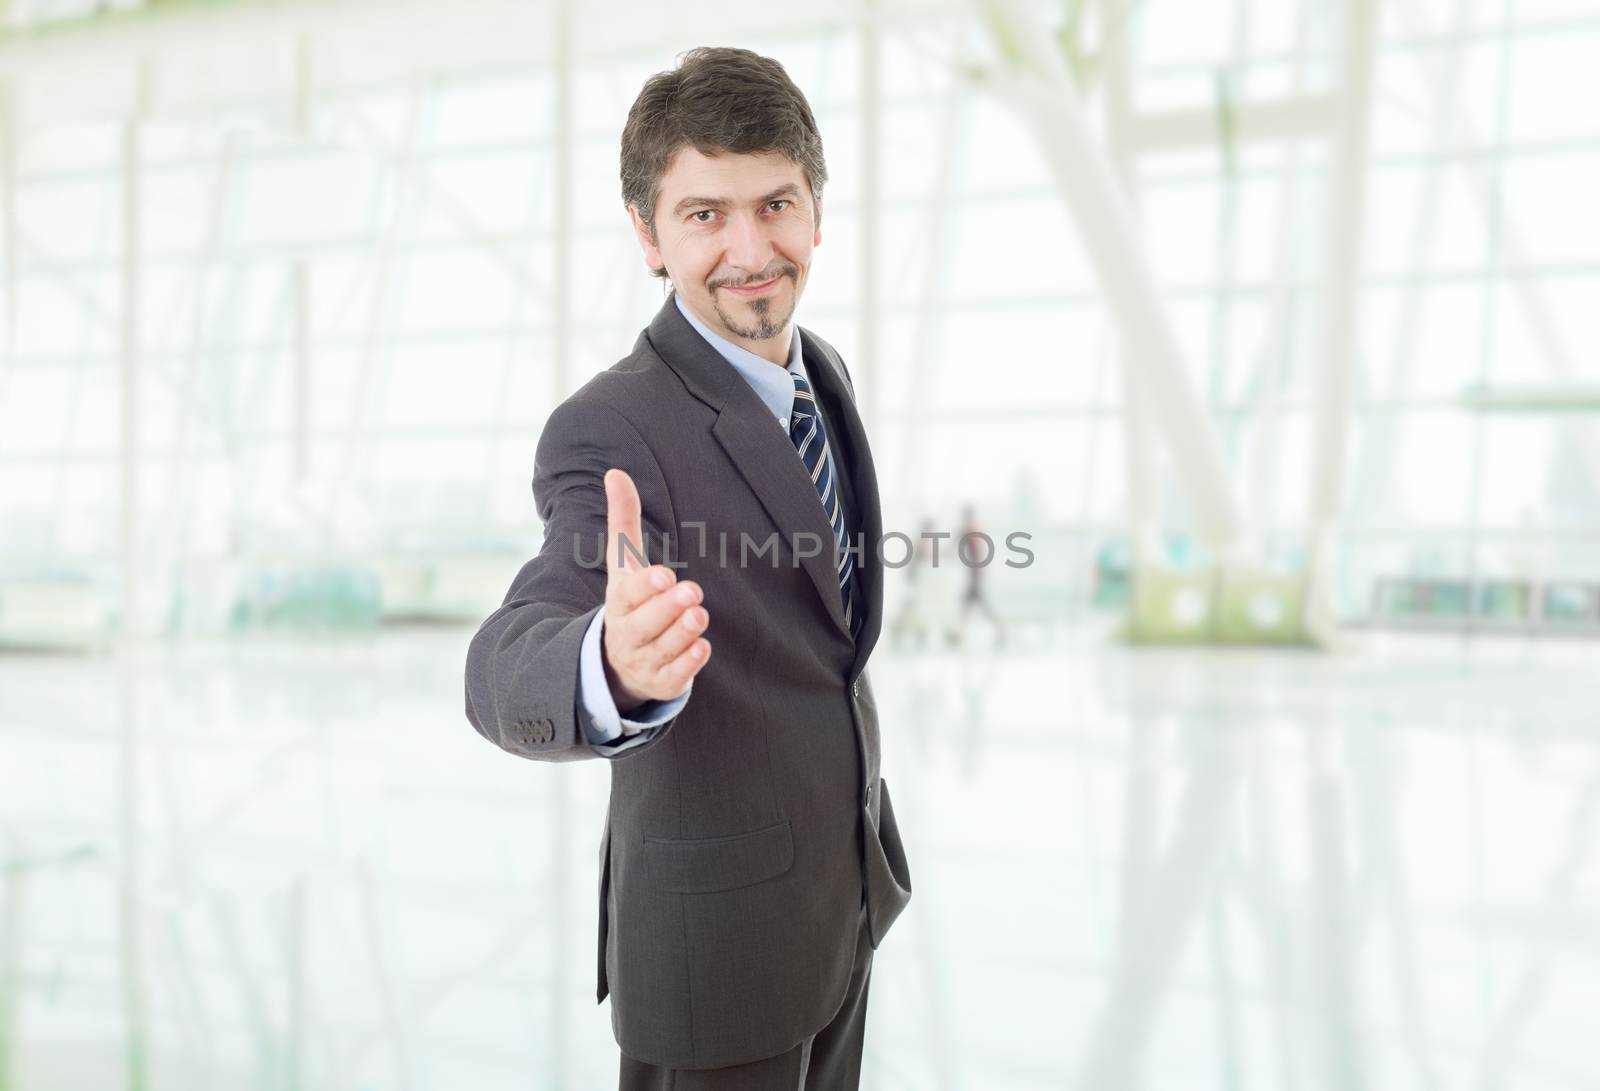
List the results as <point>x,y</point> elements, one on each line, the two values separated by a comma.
<point>637,379</point>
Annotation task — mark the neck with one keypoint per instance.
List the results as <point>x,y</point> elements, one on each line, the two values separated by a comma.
<point>775,349</point>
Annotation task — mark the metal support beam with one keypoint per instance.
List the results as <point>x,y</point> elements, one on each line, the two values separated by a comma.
<point>1341,309</point>
<point>869,348</point>
<point>1138,433</point>
<point>300,409</point>
<point>1039,86</point>
<point>1277,342</point>
<point>9,310</point>
<point>130,915</point>
<point>562,164</point>
<point>129,377</point>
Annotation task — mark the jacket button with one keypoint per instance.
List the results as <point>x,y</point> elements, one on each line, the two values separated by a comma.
<point>867,801</point>
<point>855,688</point>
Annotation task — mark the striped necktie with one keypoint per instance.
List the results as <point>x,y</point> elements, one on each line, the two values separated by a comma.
<point>810,438</point>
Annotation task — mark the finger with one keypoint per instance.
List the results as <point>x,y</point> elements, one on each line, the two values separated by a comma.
<point>674,638</point>
<point>626,591</point>
<point>675,676</point>
<point>650,618</point>
<point>623,524</point>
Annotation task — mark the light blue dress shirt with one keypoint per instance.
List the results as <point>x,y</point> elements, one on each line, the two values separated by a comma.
<point>605,725</point>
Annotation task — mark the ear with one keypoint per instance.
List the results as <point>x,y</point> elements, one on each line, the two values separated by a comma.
<point>816,237</point>
<point>647,242</point>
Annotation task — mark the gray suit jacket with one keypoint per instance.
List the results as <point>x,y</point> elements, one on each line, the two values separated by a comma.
<point>740,839</point>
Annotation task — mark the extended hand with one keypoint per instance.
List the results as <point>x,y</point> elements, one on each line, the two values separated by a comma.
<point>651,641</point>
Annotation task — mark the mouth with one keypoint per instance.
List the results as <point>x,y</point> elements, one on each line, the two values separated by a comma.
<point>754,289</point>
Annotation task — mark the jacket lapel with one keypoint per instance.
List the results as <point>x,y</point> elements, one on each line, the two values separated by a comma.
<point>848,437</point>
<point>760,450</point>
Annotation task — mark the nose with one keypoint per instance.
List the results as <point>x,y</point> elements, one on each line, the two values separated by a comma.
<point>749,248</point>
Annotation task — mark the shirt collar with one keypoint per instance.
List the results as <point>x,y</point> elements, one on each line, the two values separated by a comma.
<point>775,387</point>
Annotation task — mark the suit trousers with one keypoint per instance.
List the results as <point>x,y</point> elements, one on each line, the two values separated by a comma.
<point>830,1060</point>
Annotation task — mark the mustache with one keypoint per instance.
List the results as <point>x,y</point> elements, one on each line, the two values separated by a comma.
<point>787,269</point>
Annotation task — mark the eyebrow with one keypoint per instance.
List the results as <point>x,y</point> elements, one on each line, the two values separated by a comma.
<point>790,190</point>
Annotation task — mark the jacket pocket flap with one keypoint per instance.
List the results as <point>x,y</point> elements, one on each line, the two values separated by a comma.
<point>706,864</point>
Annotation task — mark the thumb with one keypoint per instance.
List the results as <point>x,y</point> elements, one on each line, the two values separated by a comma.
<point>622,523</point>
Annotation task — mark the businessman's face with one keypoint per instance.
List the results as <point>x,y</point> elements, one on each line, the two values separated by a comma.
<point>735,234</point>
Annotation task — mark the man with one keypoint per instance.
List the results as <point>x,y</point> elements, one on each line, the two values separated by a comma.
<point>972,545</point>
<point>751,862</point>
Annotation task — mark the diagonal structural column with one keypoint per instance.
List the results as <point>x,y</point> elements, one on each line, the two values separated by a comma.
<point>1039,85</point>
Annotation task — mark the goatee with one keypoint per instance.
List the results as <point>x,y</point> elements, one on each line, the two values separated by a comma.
<point>769,323</point>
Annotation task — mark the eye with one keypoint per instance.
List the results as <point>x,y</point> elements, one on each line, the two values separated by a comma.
<point>695,216</point>
<point>778,205</point>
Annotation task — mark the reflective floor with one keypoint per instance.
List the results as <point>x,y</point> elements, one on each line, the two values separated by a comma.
<point>295,865</point>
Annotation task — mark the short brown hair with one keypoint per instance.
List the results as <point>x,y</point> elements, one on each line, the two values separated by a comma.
<point>717,100</point>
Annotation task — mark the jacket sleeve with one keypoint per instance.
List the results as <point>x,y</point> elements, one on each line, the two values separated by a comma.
<point>522,664</point>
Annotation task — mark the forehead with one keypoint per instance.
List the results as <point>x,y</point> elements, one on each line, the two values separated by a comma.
<point>727,175</point>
